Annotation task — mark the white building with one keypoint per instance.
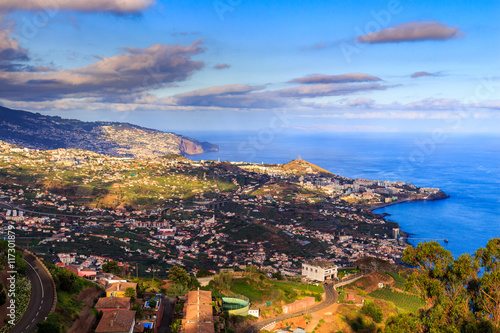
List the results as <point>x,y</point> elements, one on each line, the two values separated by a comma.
<point>67,258</point>
<point>319,270</point>
<point>254,312</point>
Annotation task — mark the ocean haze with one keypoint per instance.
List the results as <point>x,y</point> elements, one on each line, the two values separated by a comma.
<point>467,167</point>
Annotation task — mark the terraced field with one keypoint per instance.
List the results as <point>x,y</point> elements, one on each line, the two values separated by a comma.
<point>404,301</point>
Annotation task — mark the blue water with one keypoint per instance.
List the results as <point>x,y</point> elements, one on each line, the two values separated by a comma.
<point>465,167</point>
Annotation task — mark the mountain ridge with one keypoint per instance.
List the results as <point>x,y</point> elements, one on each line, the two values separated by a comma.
<point>34,130</point>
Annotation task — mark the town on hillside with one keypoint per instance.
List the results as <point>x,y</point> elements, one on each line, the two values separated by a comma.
<point>82,211</point>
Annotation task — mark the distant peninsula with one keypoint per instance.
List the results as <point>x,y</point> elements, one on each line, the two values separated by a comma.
<point>37,131</point>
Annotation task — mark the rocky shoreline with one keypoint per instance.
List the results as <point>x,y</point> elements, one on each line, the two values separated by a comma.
<point>438,196</point>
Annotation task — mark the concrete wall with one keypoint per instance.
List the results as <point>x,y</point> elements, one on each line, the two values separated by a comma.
<point>205,280</point>
<point>299,305</point>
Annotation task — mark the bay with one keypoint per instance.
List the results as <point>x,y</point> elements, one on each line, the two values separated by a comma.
<point>467,167</point>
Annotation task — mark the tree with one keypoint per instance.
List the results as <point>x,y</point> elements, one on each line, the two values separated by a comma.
<point>178,275</point>
<point>403,323</point>
<point>176,325</point>
<point>251,269</point>
<point>139,314</point>
<point>193,283</point>
<point>141,289</point>
<point>372,310</point>
<point>177,290</point>
<point>66,279</point>
<point>488,287</point>
<point>129,292</point>
<point>442,282</point>
<point>222,281</point>
<point>203,273</point>
<point>463,294</point>
<point>111,267</point>
<point>152,304</point>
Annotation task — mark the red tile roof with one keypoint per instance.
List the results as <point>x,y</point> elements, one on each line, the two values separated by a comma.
<point>116,322</point>
<point>113,303</point>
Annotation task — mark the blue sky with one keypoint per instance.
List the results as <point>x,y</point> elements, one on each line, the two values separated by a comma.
<point>381,66</point>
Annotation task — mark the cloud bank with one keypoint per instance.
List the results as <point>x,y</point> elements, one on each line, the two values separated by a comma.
<point>116,6</point>
<point>135,70</point>
<point>343,78</point>
<point>412,31</point>
<point>10,51</point>
<point>420,74</point>
<point>244,96</point>
<point>222,66</point>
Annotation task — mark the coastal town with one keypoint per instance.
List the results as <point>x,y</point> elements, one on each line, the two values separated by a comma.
<point>206,213</point>
<point>81,211</point>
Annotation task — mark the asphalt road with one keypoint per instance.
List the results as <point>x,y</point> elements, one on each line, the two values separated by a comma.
<point>168,313</point>
<point>331,298</point>
<point>42,296</point>
<point>7,205</point>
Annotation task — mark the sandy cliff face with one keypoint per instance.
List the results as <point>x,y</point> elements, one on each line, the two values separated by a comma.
<point>189,147</point>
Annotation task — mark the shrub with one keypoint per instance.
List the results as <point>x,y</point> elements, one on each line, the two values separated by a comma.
<point>372,310</point>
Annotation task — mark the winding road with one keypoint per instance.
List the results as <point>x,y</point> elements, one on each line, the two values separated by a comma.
<point>331,298</point>
<point>42,296</point>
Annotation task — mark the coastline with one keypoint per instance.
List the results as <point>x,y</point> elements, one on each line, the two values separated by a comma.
<point>405,235</point>
<point>439,196</point>
<point>387,204</point>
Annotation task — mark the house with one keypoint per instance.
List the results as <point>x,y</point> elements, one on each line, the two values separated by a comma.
<point>112,304</point>
<point>199,313</point>
<point>318,270</point>
<point>118,289</point>
<point>254,312</point>
<point>82,271</point>
<point>118,321</point>
<point>199,327</point>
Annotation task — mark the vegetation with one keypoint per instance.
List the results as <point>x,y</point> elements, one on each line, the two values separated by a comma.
<point>111,267</point>
<point>139,313</point>
<point>203,273</point>
<point>178,275</point>
<point>463,294</point>
<point>258,288</point>
<point>399,282</point>
<point>129,292</point>
<point>372,310</point>
<point>404,301</point>
<point>22,283</point>
<point>68,308</point>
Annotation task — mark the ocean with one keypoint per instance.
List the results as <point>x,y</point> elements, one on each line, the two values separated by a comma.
<point>467,167</point>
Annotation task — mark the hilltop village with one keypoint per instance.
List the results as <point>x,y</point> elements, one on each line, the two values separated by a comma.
<point>151,214</point>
